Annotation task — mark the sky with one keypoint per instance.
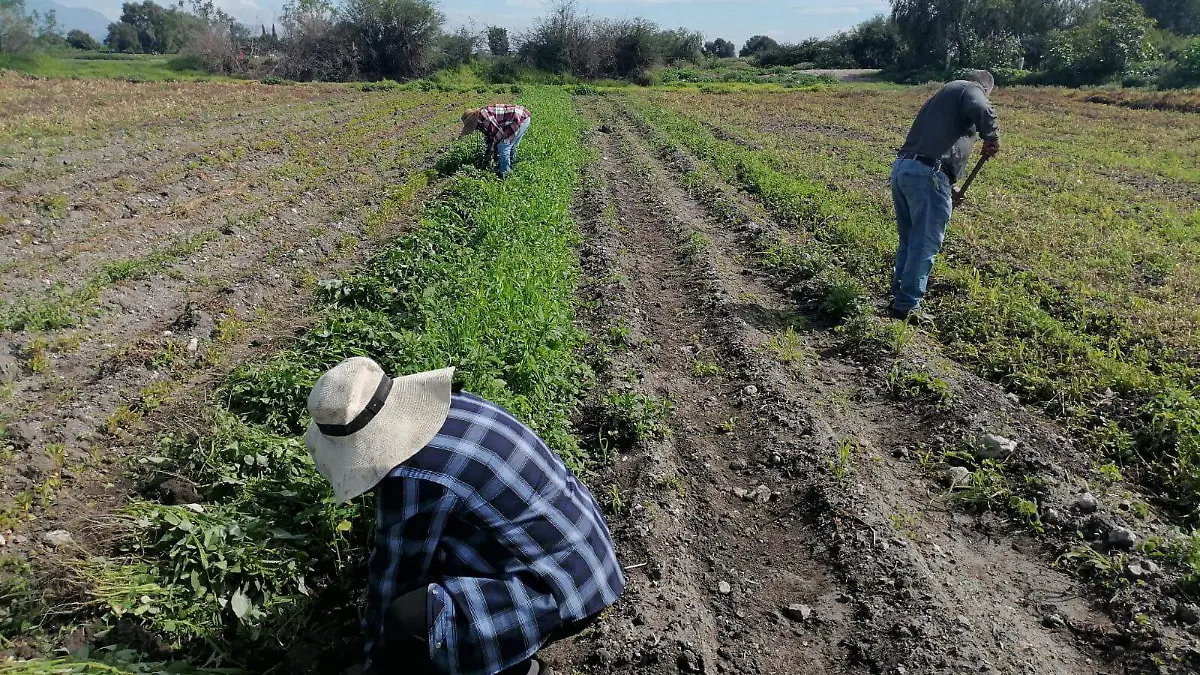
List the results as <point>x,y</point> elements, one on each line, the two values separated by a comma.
<point>735,20</point>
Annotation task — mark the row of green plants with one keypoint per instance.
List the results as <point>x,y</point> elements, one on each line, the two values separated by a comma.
<point>1131,396</point>
<point>265,560</point>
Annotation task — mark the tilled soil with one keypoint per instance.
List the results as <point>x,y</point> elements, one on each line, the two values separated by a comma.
<point>228,218</point>
<point>751,543</point>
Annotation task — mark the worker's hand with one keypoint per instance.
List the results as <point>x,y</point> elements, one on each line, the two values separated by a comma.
<point>956,198</point>
<point>991,149</point>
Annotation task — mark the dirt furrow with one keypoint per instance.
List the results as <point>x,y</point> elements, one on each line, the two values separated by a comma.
<point>711,575</point>
<point>804,511</point>
<point>225,192</point>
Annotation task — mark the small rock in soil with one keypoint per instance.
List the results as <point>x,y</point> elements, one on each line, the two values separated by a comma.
<point>797,612</point>
<point>193,345</point>
<point>1099,525</point>
<point>750,390</point>
<point>1135,571</point>
<point>57,537</point>
<point>23,434</point>
<point>724,588</point>
<point>1188,613</point>
<point>739,464</point>
<point>996,447</point>
<point>1085,503</point>
<point>955,475</point>
<point>760,494</point>
<point>1053,621</point>
<point>1121,537</point>
<point>1052,517</point>
<point>604,657</point>
<point>689,662</point>
<point>1013,397</point>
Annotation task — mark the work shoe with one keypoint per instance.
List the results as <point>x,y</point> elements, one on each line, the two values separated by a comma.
<point>915,315</point>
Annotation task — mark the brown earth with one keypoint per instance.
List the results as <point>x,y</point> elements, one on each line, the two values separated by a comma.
<point>753,546</point>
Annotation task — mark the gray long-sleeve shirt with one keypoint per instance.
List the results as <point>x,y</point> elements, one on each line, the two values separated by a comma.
<point>946,125</point>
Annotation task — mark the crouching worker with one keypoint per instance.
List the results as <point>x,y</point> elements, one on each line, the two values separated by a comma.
<point>502,126</point>
<point>486,546</point>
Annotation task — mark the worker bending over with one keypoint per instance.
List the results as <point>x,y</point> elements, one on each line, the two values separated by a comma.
<point>502,126</point>
<point>930,162</point>
<point>486,546</point>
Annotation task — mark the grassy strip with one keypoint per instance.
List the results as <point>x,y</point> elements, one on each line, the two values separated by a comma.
<point>1133,398</point>
<point>66,308</point>
<point>484,282</point>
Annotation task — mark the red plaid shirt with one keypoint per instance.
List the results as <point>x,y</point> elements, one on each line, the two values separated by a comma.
<point>500,121</point>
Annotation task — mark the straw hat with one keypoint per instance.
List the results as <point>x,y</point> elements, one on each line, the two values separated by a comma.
<point>470,120</point>
<point>366,423</point>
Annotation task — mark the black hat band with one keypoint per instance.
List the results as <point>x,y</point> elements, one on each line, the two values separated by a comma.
<point>363,418</point>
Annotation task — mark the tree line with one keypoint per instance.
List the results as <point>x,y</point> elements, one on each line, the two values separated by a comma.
<point>1136,42</point>
<point>1072,42</point>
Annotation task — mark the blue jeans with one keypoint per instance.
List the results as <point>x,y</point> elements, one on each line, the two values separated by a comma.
<point>506,151</point>
<point>923,205</point>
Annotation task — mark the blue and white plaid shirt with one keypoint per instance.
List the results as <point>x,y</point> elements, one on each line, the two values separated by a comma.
<point>511,545</point>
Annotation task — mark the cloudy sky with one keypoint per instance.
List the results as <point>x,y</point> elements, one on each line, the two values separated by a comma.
<point>785,20</point>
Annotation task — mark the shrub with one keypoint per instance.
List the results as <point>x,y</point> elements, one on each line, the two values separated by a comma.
<point>81,40</point>
<point>382,85</point>
<point>1188,69</point>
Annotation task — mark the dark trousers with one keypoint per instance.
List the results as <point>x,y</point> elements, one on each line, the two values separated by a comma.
<point>405,647</point>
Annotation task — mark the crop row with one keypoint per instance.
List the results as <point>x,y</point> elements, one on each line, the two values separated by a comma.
<point>1115,383</point>
<point>265,560</point>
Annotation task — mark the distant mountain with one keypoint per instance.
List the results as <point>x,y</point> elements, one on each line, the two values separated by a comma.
<point>69,18</point>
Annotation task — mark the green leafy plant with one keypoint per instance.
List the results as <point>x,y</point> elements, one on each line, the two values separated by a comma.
<point>702,368</point>
<point>635,417</point>
<point>843,463</point>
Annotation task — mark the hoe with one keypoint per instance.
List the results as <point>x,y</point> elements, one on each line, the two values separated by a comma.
<point>961,193</point>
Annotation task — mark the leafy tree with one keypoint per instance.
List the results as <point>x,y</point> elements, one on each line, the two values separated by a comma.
<point>563,41</point>
<point>318,46</point>
<point>123,37</point>
<point>874,43</point>
<point>1117,38</point>
<point>1178,16</point>
<point>497,39</point>
<point>679,45</point>
<point>81,40</point>
<point>158,29</point>
<point>49,28</point>
<point>395,38</point>
<point>458,48</point>
<point>757,44</point>
<point>720,48</point>
<point>1189,64</point>
<point>16,27</point>
<point>634,46</point>
<point>944,33</point>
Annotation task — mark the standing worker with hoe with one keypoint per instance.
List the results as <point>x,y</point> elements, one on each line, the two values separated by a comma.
<point>486,546</point>
<point>502,126</point>
<point>931,161</point>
